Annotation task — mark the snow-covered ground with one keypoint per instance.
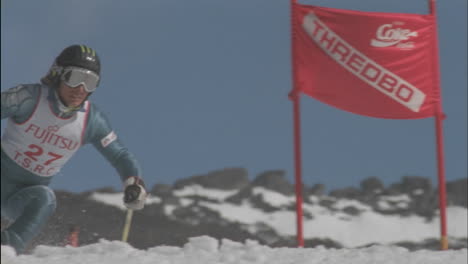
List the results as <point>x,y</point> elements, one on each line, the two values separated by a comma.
<point>365,228</point>
<point>207,250</point>
<point>330,222</point>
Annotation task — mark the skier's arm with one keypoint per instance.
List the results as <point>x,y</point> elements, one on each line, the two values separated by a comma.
<point>105,140</point>
<point>19,102</point>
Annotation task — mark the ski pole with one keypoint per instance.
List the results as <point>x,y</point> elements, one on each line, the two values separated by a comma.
<point>128,223</point>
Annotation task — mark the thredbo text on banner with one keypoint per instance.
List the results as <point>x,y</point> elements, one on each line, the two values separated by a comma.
<point>373,64</point>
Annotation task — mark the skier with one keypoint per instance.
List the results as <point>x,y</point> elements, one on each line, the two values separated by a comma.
<point>47,123</point>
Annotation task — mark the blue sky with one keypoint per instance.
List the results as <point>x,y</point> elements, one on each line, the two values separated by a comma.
<point>196,86</point>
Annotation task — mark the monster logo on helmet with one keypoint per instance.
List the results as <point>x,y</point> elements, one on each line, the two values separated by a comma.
<point>79,56</point>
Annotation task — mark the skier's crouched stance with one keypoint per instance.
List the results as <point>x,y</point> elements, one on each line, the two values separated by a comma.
<point>47,123</point>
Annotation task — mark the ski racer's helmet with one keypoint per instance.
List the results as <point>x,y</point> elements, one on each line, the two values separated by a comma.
<point>79,56</point>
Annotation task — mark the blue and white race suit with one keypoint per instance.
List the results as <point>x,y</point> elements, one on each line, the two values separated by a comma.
<point>37,142</point>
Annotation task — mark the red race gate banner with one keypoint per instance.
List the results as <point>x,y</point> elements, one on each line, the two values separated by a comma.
<point>375,64</point>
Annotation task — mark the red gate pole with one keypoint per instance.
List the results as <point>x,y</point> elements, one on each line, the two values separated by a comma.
<point>295,97</point>
<point>439,117</point>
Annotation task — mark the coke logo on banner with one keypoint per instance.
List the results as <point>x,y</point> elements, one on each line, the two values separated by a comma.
<point>387,35</point>
<point>362,66</point>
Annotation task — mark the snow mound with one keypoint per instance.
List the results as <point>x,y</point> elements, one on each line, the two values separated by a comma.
<point>207,250</point>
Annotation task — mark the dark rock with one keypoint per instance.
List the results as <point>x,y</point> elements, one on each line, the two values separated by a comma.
<point>420,190</point>
<point>195,214</point>
<point>306,214</point>
<point>372,186</point>
<point>351,210</point>
<point>347,193</point>
<point>327,243</point>
<point>171,200</point>
<point>291,242</point>
<point>266,233</point>
<point>327,202</point>
<point>433,244</point>
<point>243,194</point>
<point>161,190</point>
<point>258,202</point>
<point>425,204</point>
<point>95,220</point>
<point>457,192</point>
<point>149,227</point>
<point>226,179</point>
<point>411,184</point>
<point>102,190</point>
<point>274,180</point>
<point>317,189</point>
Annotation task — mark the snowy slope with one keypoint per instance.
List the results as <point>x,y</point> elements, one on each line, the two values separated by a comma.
<point>206,250</point>
<point>364,227</point>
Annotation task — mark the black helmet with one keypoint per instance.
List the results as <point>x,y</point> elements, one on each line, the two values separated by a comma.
<point>79,56</point>
<point>76,55</point>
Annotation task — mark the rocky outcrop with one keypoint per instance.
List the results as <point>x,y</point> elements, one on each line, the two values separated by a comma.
<point>274,180</point>
<point>226,179</point>
<point>456,192</point>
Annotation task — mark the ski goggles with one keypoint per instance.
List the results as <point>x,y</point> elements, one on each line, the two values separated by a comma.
<point>74,76</point>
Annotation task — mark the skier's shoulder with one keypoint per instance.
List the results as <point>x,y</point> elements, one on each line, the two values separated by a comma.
<point>97,119</point>
<point>27,90</point>
<point>20,101</point>
<point>95,111</point>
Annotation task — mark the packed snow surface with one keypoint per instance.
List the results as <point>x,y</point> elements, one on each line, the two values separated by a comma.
<point>207,250</point>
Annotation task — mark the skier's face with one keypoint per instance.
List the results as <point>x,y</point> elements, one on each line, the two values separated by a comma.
<point>72,96</point>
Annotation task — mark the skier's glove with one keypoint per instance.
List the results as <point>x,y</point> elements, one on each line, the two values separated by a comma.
<point>134,193</point>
